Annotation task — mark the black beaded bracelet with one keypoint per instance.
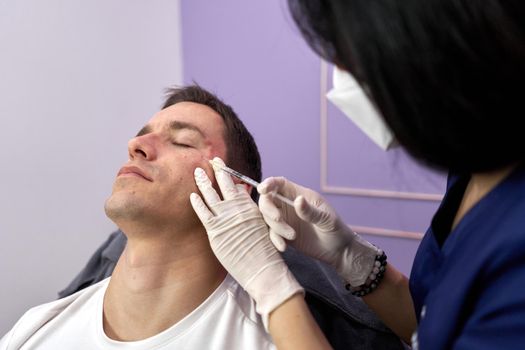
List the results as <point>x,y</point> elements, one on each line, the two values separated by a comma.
<point>373,280</point>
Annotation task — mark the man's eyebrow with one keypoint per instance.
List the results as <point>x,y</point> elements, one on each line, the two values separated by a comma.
<point>174,126</point>
<point>178,125</point>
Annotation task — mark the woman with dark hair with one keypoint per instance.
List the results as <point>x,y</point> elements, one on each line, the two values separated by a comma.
<point>446,76</point>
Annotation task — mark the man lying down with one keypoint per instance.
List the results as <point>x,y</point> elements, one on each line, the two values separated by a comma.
<point>167,290</point>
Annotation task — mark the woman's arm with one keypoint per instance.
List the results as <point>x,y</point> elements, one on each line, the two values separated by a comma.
<point>313,227</point>
<point>292,326</point>
<point>392,302</point>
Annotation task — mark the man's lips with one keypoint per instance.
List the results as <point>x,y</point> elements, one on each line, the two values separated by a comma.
<point>133,171</point>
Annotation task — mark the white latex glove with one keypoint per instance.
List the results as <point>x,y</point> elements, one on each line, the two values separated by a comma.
<point>239,238</point>
<point>313,227</point>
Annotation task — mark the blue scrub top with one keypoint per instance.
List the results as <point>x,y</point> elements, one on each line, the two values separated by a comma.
<point>468,284</point>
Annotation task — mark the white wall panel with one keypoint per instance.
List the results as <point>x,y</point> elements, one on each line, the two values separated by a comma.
<point>77,80</point>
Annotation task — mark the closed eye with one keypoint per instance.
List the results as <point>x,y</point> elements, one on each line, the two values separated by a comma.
<point>183,145</point>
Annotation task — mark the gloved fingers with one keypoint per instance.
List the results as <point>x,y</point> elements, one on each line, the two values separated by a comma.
<point>225,181</point>
<point>274,218</point>
<point>277,184</point>
<point>277,241</point>
<point>204,184</point>
<point>311,213</point>
<point>202,211</point>
<point>269,208</point>
<point>282,228</point>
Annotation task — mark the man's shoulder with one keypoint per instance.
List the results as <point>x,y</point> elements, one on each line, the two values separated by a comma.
<point>37,317</point>
<point>53,308</point>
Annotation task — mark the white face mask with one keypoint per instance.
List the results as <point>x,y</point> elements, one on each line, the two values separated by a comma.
<point>348,96</point>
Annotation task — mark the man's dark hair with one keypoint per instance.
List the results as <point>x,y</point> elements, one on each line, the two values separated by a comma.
<point>241,151</point>
<point>447,75</point>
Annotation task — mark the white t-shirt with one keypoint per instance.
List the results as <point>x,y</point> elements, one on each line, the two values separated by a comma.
<point>225,320</point>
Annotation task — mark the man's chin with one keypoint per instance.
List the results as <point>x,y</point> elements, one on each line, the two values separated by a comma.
<point>119,207</point>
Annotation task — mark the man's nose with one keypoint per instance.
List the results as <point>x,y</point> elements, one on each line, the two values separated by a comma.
<point>142,147</point>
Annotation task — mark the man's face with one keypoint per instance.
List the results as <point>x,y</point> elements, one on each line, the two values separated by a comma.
<point>156,182</point>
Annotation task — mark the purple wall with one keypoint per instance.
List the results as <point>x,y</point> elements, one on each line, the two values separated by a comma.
<point>251,54</point>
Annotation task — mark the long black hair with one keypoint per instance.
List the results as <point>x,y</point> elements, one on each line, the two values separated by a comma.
<point>447,75</point>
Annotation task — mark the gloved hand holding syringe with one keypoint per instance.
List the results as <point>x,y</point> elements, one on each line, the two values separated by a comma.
<point>311,225</point>
<point>246,179</point>
<point>246,237</point>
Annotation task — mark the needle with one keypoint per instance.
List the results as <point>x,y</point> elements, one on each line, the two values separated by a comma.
<point>247,180</point>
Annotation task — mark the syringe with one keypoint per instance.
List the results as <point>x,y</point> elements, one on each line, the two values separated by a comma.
<point>247,180</point>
